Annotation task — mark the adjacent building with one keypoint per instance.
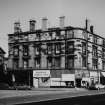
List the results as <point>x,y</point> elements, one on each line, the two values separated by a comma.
<point>2,65</point>
<point>56,57</point>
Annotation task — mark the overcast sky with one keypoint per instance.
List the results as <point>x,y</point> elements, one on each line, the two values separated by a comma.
<point>75,11</point>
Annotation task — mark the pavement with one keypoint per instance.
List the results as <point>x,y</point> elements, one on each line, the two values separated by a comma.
<point>59,89</point>
<point>37,91</point>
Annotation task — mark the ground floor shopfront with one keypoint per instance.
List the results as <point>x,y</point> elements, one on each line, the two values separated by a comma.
<point>67,78</point>
<point>56,78</point>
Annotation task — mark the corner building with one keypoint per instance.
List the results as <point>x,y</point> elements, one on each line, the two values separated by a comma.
<point>56,57</point>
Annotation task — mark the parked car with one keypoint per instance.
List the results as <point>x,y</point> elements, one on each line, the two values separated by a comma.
<point>96,86</point>
<point>5,86</point>
<point>22,87</point>
<point>92,87</point>
<point>99,86</point>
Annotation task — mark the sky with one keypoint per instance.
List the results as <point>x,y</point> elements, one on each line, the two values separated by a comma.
<point>75,12</point>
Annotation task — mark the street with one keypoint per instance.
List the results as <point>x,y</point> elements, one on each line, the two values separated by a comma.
<point>13,97</point>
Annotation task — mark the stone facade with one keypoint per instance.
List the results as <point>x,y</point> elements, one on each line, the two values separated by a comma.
<point>61,50</point>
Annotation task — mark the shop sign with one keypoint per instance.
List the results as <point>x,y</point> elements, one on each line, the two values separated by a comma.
<point>68,77</point>
<point>93,74</point>
<point>41,73</point>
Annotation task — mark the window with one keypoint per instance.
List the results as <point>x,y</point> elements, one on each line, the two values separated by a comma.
<point>49,62</point>
<point>25,63</point>
<point>95,54</point>
<point>57,62</point>
<point>25,50</point>
<point>103,43</point>
<point>37,62</point>
<point>103,65</point>
<point>84,48</point>
<point>16,64</point>
<point>95,39</point>
<point>57,48</point>
<point>85,35</point>
<point>70,62</point>
<point>37,50</point>
<point>49,49</point>
<point>95,64</point>
<point>103,53</point>
<point>16,51</point>
<point>84,63</point>
<point>70,47</point>
<point>70,34</point>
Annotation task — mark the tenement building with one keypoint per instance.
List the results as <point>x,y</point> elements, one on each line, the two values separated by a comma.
<point>63,56</point>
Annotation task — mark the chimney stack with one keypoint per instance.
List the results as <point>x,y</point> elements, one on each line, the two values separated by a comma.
<point>86,24</point>
<point>91,28</point>
<point>62,21</point>
<point>17,28</point>
<point>32,25</point>
<point>44,24</point>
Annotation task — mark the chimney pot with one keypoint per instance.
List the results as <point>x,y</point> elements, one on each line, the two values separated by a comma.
<point>44,24</point>
<point>32,24</point>
<point>91,28</point>
<point>17,28</point>
<point>62,21</point>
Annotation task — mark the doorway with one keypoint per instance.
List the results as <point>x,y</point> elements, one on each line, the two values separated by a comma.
<point>78,82</point>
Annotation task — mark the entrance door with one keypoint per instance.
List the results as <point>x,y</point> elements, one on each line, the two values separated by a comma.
<point>35,82</point>
<point>78,82</point>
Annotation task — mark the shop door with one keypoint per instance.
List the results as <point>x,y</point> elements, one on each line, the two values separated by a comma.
<point>78,82</point>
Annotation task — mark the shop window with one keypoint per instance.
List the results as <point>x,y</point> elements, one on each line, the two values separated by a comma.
<point>25,50</point>
<point>45,79</point>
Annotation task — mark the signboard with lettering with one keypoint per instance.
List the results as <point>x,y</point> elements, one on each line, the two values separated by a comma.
<point>41,73</point>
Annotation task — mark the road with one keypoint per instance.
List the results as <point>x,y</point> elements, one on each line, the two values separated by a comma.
<point>13,97</point>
